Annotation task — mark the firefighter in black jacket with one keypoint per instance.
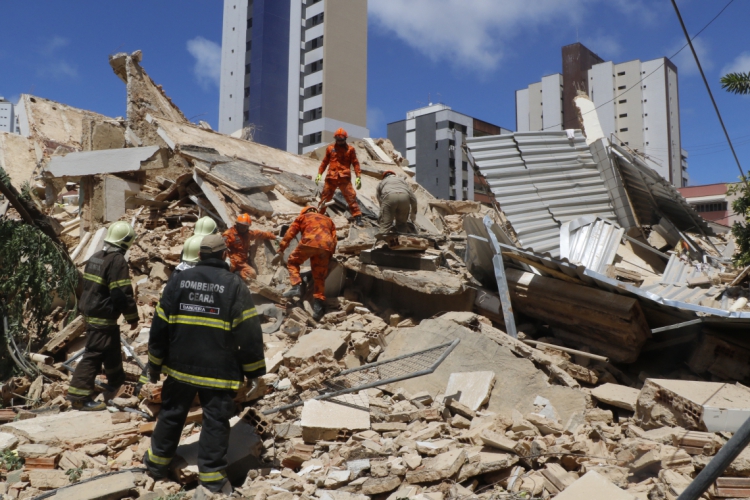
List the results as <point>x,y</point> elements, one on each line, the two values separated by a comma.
<point>107,293</point>
<point>206,336</point>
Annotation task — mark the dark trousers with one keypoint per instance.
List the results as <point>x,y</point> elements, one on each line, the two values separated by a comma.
<point>218,408</point>
<point>102,348</point>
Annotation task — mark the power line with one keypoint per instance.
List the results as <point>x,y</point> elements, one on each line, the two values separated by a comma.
<point>708,88</point>
<point>657,68</point>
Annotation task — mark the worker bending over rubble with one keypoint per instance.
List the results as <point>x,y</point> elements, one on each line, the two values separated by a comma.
<point>206,336</point>
<point>398,205</point>
<point>339,159</point>
<point>107,293</point>
<point>318,244</point>
<point>239,238</point>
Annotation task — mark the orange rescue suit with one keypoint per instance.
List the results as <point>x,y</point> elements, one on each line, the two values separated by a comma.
<point>238,248</point>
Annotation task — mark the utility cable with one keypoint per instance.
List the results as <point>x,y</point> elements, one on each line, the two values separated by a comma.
<point>657,69</point>
<point>708,88</point>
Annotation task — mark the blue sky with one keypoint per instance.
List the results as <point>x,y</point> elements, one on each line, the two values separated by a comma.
<point>469,54</point>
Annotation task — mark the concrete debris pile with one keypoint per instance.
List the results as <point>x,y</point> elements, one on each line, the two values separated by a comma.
<point>617,377</point>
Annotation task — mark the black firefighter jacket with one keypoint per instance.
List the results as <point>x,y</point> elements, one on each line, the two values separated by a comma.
<point>107,291</point>
<point>206,331</point>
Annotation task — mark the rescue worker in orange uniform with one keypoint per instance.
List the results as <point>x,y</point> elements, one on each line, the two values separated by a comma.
<point>318,244</point>
<point>339,159</point>
<point>238,239</point>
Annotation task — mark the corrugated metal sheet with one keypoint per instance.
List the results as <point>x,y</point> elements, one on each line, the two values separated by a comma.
<point>541,180</point>
<point>678,271</point>
<point>591,242</point>
<point>697,300</point>
<point>652,196</point>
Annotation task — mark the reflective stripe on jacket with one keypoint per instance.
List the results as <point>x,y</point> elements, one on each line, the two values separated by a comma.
<point>339,160</point>
<point>206,331</point>
<point>107,290</point>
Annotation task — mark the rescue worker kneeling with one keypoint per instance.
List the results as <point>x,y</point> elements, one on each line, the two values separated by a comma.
<point>206,336</point>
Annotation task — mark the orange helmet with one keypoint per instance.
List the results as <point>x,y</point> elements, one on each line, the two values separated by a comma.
<point>342,133</point>
<point>307,209</point>
<point>244,219</point>
<point>387,173</point>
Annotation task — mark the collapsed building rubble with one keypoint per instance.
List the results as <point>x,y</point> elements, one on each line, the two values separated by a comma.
<point>617,377</point>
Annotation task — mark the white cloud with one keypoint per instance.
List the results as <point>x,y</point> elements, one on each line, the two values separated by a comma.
<point>57,70</point>
<point>53,45</point>
<point>685,61</point>
<point>605,46</point>
<point>376,122</point>
<point>474,34</point>
<point>741,64</point>
<point>207,56</point>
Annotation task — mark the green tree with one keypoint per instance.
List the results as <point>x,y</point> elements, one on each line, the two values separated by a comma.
<point>739,83</point>
<point>736,83</point>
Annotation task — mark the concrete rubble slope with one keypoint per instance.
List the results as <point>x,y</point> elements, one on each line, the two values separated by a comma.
<point>592,400</point>
<point>107,161</point>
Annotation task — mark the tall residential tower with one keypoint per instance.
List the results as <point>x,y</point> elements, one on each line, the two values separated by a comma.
<point>294,71</point>
<point>637,103</point>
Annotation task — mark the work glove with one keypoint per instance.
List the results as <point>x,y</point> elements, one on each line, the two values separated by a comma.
<point>281,250</point>
<point>358,183</point>
<point>318,178</point>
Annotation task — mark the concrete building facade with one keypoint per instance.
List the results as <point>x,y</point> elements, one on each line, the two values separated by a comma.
<point>294,71</point>
<point>637,104</point>
<point>7,117</point>
<point>713,202</point>
<point>432,140</point>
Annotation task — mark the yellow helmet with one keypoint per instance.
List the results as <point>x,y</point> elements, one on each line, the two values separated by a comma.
<point>120,234</point>
<point>191,250</point>
<point>205,226</point>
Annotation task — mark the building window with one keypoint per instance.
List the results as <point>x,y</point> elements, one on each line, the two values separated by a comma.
<point>437,164</point>
<point>622,87</point>
<point>437,181</point>
<point>247,91</point>
<point>624,129</point>
<point>312,139</point>
<point>247,68</point>
<point>464,166</point>
<point>250,23</point>
<point>623,101</point>
<point>436,145</point>
<point>719,206</point>
<point>621,73</point>
<point>248,45</point>
<point>624,115</point>
<point>313,114</point>
<point>246,116</point>
<point>314,90</point>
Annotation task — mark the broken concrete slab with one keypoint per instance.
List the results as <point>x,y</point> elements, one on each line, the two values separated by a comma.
<point>594,486</point>
<point>323,420</point>
<point>48,479</point>
<point>694,405</point>
<point>376,485</point>
<point>239,175</point>
<point>111,487</point>
<point>339,495</point>
<point>7,441</point>
<point>214,197</point>
<point>72,428</point>
<point>40,450</point>
<point>620,396</point>
<point>428,282</point>
<point>400,260</point>
<point>444,466</point>
<point>293,187</point>
<point>244,449</point>
<point>256,204</point>
<point>315,342</point>
<point>108,161</point>
<point>522,382</point>
<point>471,388</point>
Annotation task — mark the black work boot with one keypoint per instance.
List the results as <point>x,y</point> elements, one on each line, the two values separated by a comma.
<point>319,309</point>
<point>358,221</point>
<point>295,291</point>
<point>87,404</point>
<point>155,471</point>
<point>110,391</point>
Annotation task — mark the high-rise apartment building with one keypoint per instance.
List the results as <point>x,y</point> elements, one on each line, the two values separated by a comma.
<point>637,103</point>
<point>7,116</point>
<point>432,140</point>
<point>294,71</point>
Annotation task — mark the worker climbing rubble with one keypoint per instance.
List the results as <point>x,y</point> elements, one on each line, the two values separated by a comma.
<point>107,294</point>
<point>339,159</point>
<point>206,336</point>
<point>239,238</point>
<point>318,244</point>
<point>398,205</point>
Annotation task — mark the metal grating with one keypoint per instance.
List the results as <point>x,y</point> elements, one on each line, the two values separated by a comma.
<point>415,364</point>
<point>541,180</point>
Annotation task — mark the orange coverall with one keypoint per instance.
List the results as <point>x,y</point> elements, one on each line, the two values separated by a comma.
<point>318,244</point>
<point>339,160</point>
<point>238,248</point>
